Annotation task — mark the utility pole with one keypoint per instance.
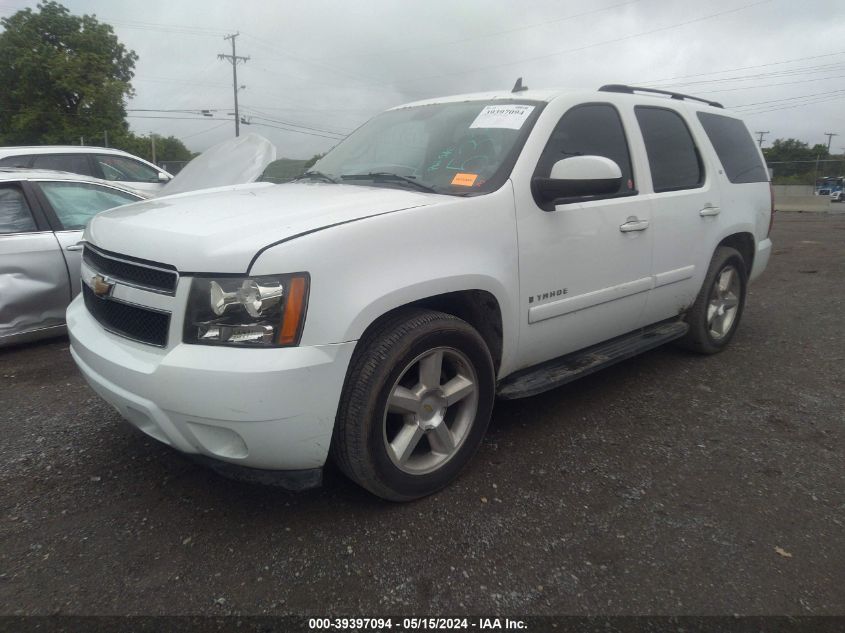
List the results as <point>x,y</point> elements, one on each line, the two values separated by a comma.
<point>234,59</point>
<point>829,136</point>
<point>106,137</point>
<point>153,146</point>
<point>760,140</point>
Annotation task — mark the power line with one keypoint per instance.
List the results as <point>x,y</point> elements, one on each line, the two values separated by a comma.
<point>652,82</point>
<point>809,70</point>
<point>306,127</point>
<point>202,118</point>
<point>815,94</point>
<point>302,60</point>
<point>180,81</point>
<point>789,107</point>
<point>211,129</point>
<point>668,27</point>
<point>783,83</point>
<point>482,35</point>
<point>276,127</point>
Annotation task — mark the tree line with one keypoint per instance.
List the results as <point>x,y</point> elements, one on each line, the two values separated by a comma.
<point>795,162</point>
<point>66,78</point>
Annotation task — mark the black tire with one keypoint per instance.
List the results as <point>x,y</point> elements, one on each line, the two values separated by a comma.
<point>380,360</point>
<point>700,338</point>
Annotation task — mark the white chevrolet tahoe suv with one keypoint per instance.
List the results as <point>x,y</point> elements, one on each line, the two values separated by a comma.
<point>447,252</point>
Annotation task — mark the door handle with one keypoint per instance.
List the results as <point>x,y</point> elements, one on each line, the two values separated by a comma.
<point>74,247</point>
<point>709,211</point>
<point>633,224</point>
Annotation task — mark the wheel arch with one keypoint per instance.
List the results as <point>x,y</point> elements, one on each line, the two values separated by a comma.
<point>744,243</point>
<point>480,308</point>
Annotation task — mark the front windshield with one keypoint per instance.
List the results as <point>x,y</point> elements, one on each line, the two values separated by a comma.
<point>451,148</point>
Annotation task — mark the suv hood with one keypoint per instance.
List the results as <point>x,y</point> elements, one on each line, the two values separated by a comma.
<point>220,230</point>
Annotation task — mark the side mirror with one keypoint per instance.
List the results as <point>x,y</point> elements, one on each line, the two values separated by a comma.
<point>579,176</point>
<point>162,177</point>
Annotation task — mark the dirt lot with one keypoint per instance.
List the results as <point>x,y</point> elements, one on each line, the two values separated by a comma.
<point>669,484</point>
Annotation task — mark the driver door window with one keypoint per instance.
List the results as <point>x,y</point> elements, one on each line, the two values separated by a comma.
<point>589,130</point>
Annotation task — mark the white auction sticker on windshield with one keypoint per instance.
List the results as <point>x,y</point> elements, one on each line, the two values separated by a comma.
<point>503,116</point>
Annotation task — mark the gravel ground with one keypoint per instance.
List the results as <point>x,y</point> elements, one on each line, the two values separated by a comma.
<point>668,484</point>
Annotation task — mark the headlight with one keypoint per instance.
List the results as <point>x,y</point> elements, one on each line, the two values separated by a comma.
<point>247,311</point>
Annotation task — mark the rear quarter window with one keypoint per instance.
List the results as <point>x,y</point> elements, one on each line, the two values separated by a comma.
<point>734,147</point>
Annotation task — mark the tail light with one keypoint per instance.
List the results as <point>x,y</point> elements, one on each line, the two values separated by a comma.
<point>772,216</point>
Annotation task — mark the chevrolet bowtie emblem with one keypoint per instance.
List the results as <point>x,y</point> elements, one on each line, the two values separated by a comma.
<point>101,285</point>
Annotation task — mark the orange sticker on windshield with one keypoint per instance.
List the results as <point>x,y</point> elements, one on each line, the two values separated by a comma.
<point>464,180</point>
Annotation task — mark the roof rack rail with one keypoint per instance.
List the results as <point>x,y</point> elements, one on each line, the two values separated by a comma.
<point>674,95</point>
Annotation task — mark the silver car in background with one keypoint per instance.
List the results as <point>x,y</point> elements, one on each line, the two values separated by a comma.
<point>42,216</point>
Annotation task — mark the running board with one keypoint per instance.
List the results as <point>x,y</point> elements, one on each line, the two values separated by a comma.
<point>559,371</point>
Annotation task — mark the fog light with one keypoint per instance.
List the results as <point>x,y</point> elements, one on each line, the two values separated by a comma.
<point>219,333</point>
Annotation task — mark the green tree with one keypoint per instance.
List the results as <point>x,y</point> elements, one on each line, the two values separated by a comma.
<point>168,148</point>
<point>62,77</point>
<point>791,157</point>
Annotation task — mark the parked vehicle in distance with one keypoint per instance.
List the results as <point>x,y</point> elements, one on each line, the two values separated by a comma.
<point>828,185</point>
<point>42,215</point>
<point>112,165</point>
<point>447,252</point>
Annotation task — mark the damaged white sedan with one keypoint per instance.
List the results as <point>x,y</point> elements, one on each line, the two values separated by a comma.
<point>43,214</point>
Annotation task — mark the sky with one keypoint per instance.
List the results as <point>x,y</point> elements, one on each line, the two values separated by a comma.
<point>319,69</point>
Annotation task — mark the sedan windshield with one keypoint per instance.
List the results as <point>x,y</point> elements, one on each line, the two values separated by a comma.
<point>452,148</point>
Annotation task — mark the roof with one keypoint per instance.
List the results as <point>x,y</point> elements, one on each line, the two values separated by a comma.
<point>524,95</point>
<point>65,149</point>
<point>554,93</point>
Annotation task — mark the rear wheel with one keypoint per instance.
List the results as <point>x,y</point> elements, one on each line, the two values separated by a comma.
<point>415,406</point>
<point>715,315</point>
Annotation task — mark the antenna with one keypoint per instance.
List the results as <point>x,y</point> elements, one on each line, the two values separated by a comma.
<point>518,87</point>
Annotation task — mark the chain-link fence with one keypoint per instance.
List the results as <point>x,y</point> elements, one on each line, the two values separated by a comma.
<point>812,173</point>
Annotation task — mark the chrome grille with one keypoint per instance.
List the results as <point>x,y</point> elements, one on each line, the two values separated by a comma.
<point>132,271</point>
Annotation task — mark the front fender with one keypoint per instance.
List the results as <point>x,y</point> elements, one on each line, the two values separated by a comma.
<point>363,269</point>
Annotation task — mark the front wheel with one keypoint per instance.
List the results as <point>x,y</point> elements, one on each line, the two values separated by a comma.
<point>714,317</point>
<point>415,406</point>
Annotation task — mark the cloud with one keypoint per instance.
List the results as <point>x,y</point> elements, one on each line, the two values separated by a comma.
<point>330,65</point>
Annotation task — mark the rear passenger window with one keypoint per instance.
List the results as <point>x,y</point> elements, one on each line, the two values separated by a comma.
<point>73,163</point>
<point>672,154</point>
<point>15,216</point>
<point>589,130</point>
<point>734,147</point>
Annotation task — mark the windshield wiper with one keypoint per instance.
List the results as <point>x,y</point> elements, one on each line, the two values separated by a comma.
<point>386,175</point>
<point>318,175</point>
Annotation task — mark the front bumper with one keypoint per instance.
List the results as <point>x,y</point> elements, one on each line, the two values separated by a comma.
<point>271,409</point>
